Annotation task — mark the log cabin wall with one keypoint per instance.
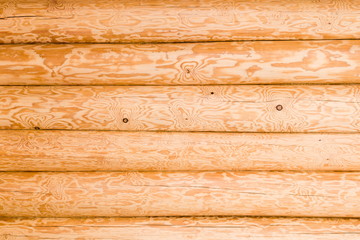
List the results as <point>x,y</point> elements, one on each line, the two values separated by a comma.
<point>201,119</point>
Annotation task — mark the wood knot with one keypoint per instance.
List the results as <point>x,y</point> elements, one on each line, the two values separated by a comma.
<point>279,107</point>
<point>212,93</point>
<point>125,120</point>
<point>37,128</point>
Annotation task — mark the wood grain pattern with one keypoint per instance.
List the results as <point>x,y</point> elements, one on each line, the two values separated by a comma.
<point>181,228</point>
<point>68,21</point>
<point>46,194</point>
<point>160,151</point>
<point>321,108</point>
<point>263,62</point>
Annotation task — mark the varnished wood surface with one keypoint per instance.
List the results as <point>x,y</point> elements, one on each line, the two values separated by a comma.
<point>184,228</point>
<point>264,62</point>
<point>45,194</point>
<point>320,108</point>
<point>161,151</point>
<point>68,21</point>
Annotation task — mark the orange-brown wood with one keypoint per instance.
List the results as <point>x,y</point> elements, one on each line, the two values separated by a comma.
<point>25,21</point>
<point>184,228</point>
<point>321,108</point>
<point>263,62</point>
<point>161,151</point>
<point>44,194</point>
<point>181,132</point>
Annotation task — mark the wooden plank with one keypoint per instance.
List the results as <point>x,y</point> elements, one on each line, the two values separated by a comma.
<point>97,194</point>
<point>182,228</point>
<point>263,62</point>
<point>161,151</point>
<point>321,108</point>
<point>29,21</point>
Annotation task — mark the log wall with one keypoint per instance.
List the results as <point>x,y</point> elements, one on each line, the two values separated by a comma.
<point>203,119</point>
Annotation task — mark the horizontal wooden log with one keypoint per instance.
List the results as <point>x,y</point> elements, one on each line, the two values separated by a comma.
<point>263,62</point>
<point>321,108</point>
<point>29,21</point>
<point>181,228</point>
<point>97,194</point>
<point>161,151</point>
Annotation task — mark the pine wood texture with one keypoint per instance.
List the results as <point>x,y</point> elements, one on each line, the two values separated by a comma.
<point>191,120</point>
<point>97,194</point>
<point>184,228</point>
<point>264,62</point>
<point>68,21</point>
<point>322,108</point>
<point>161,151</point>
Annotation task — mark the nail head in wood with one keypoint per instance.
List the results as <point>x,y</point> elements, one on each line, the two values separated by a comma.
<point>279,107</point>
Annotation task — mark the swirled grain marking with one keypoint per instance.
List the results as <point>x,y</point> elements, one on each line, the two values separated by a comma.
<point>315,61</point>
<point>61,8</point>
<point>7,8</point>
<point>191,72</point>
<point>225,12</point>
<point>356,121</point>
<point>281,109</point>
